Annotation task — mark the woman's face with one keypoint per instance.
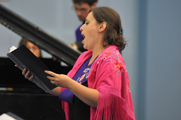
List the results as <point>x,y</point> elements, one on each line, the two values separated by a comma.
<point>33,48</point>
<point>90,32</point>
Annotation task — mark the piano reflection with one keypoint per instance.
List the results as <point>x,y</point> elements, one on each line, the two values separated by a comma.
<point>17,94</point>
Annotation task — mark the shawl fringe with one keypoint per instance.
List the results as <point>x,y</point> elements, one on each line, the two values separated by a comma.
<point>111,106</point>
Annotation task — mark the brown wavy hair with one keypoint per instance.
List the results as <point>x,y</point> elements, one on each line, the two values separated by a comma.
<point>113,35</point>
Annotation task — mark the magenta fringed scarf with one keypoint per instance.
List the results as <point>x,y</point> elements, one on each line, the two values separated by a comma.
<point>109,76</point>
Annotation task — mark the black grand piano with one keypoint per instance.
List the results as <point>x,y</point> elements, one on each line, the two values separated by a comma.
<point>20,96</point>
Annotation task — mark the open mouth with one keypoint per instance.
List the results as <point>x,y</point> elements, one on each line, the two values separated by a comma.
<point>82,35</point>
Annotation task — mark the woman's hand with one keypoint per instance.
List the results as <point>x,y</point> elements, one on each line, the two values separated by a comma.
<point>26,73</point>
<point>87,95</point>
<point>58,79</point>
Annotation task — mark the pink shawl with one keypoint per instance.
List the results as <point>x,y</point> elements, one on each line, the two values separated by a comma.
<point>109,76</point>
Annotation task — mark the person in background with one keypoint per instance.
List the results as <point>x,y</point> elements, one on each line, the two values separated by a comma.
<point>33,48</point>
<point>97,87</point>
<point>82,8</point>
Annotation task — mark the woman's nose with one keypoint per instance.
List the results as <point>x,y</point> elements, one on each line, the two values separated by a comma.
<point>81,28</point>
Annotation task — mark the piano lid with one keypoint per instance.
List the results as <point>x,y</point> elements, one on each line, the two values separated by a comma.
<point>39,37</point>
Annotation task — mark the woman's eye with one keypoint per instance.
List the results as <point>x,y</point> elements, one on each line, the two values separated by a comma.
<point>86,23</point>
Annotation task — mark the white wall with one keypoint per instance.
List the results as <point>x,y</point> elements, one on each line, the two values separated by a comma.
<point>163,67</point>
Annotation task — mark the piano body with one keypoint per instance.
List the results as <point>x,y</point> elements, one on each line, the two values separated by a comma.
<point>20,96</point>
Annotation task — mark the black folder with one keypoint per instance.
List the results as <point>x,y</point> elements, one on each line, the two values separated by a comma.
<point>24,58</point>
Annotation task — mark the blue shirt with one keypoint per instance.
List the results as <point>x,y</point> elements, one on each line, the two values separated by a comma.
<point>81,77</point>
<point>78,34</point>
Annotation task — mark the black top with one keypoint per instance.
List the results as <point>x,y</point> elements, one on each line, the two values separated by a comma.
<point>79,110</point>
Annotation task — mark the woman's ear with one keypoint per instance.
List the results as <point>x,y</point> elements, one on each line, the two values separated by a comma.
<point>102,27</point>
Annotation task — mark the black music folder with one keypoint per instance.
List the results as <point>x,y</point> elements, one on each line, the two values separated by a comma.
<point>24,58</point>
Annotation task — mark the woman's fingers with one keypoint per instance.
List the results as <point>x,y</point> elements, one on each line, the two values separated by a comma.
<point>52,81</point>
<point>30,78</point>
<point>24,71</point>
<point>50,73</point>
<point>51,78</point>
<point>57,79</point>
<point>27,74</point>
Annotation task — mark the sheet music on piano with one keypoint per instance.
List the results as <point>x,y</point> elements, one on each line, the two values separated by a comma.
<point>37,36</point>
<point>9,116</point>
